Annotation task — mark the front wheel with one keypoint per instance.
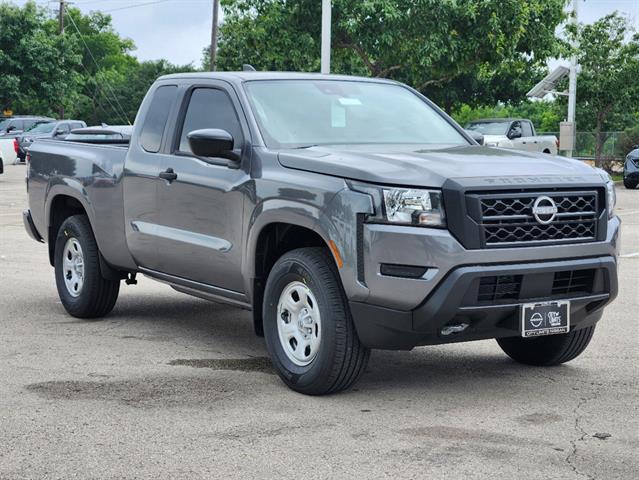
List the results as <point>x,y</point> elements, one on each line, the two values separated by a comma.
<point>547,351</point>
<point>84,292</point>
<point>629,184</point>
<point>308,327</point>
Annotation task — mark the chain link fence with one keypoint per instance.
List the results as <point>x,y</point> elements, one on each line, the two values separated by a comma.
<point>612,153</point>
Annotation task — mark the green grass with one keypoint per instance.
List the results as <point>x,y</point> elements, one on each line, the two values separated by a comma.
<point>617,177</point>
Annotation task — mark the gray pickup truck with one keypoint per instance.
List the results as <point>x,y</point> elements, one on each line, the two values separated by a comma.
<point>347,214</point>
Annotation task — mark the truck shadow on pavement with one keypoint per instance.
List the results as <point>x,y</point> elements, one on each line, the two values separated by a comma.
<point>227,333</point>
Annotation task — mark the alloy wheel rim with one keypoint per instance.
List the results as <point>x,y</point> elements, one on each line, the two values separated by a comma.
<point>73,267</point>
<point>299,323</point>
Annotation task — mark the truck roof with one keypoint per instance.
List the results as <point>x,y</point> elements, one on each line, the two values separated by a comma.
<point>250,75</point>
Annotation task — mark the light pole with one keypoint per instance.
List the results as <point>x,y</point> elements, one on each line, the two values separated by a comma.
<point>326,36</point>
<point>572,85</point>
<point>214,29</point>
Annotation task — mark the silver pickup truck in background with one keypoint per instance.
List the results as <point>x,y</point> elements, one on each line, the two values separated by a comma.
<point>346,213</point>
<point>515,133</point>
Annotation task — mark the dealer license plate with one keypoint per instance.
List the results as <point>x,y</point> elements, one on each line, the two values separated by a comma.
<point>546,318</point>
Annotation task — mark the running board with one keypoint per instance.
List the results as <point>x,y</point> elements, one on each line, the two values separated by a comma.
<point>200,290</point>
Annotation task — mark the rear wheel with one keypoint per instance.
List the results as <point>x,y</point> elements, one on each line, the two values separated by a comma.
<point>629,184</point>
<point>82,289</point>
<point>547,351</point>
<point>308,327</point>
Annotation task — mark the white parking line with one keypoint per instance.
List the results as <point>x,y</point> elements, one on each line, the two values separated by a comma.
<point>630,255</point>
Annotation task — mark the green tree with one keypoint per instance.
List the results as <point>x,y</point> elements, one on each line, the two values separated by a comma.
<point>607,85</point>
<point>37,66</point>
<point>464,51</point>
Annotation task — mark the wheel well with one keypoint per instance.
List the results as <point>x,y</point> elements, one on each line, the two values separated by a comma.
<point>546,150</point>
<point>62,208</point>
<point>274,241</point>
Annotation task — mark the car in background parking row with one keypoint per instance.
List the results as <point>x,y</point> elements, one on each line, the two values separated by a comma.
<point>514,133</point>
<point>631,169</point>
<point>109,134</point>
<point>13,126</point>
<point>57,130</point>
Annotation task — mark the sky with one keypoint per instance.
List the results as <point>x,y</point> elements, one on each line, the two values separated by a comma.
<point>178,30</point>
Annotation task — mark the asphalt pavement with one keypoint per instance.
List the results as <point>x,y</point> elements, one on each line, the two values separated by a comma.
<point>173,387</point>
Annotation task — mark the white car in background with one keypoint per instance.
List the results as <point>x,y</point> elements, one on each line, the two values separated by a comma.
<point>514,133</point>
<point>8,151</point>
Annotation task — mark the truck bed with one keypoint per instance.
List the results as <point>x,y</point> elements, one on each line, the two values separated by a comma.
<point>90,174</point>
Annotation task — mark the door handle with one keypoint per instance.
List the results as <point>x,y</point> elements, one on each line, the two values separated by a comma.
<point>169,175</point>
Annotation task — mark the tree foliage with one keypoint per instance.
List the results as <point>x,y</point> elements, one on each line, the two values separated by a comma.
<point>34,74</point>
<point>90,71</point>
<point>607,85</point>
<point>464,51</point>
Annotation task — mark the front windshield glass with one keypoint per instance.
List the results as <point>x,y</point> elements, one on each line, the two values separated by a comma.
<point>489,128</point>
<point>303,113</point>
<point>3,124</point>
<point>42,128</point>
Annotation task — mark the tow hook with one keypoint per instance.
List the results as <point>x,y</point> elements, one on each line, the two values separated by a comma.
<point>452,329</point>
<point>131,279</point>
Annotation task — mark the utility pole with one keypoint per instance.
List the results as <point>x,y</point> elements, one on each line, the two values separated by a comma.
<point>61,31</point>
<point>326,36</point>
<point>214,30</point>
<point>572,85</point>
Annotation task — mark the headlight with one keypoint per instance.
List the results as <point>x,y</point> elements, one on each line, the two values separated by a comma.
<point>611,201</point>
<point>414,207</point>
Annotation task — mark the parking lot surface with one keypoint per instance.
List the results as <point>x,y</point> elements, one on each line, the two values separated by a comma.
<point>172,387</point>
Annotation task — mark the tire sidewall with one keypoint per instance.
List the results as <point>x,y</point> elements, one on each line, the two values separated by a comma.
<point>72,228</point>
<point>282,274</point>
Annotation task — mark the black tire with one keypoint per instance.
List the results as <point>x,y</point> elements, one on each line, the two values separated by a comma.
<point>630,185</point>
<point>98,295</point>
<point>341,358</point>
<point>547,351</point>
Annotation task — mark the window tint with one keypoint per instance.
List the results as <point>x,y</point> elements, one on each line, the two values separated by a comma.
<point>527,129</point>
<point>156,117</point>
<point>210,108</point>
<point>63,128</point>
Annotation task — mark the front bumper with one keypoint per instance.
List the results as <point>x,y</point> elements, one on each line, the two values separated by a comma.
<point>400,313</point>
<point>455,302</point>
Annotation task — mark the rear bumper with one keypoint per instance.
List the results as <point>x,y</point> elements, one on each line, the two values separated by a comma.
<point>29,226</point>
<point>455,301</point>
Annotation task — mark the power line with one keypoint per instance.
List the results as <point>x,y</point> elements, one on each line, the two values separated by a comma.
<point>122,111</point>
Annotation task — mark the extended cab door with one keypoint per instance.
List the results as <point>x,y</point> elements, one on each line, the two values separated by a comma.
<point>201,209</point>
<point>141,176</point>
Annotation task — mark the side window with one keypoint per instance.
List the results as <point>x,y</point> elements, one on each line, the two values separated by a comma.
<point>210,108</point>
<point>515,129</point>
<point>527,129</point>
<point>18,125</point>
<point>63,129</point>
<point>156,117</point>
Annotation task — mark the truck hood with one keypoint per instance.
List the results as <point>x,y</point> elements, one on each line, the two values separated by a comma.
<point>495,138</point>
<point>413,166</point>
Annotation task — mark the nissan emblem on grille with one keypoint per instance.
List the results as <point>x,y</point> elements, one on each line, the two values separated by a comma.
<point>544,210</point>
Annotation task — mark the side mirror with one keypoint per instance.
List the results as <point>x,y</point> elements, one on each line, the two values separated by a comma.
<point>514,134</point>
<point>212,142</point>
<point>478,137</point>
<point>11,128</point>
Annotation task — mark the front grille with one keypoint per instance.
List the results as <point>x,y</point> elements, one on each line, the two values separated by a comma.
<point>573,281</point>
<point>502,287</point>
<point>508,218</point>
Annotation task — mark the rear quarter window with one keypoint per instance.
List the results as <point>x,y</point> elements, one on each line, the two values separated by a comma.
<point>156,118</point>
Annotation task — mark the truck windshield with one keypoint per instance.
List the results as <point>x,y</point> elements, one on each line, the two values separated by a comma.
<point>42,127</point>
<point>489,128</point>
<point>304,113</point>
